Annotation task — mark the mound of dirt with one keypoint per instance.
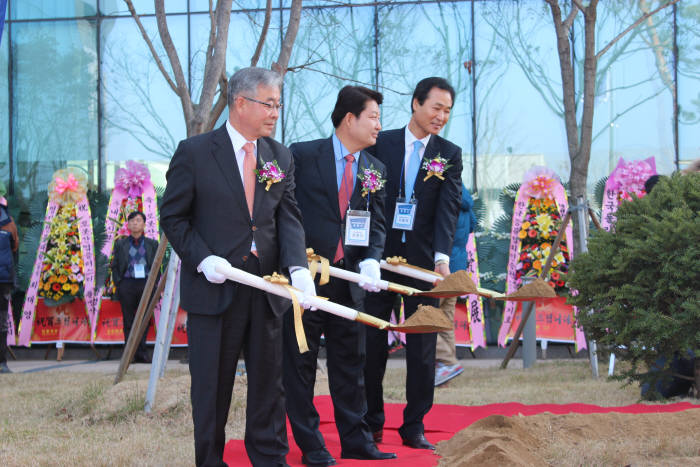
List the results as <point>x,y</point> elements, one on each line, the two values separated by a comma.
<point>456,284</point>
<point>616,438</point>
<point>426,319</point>
<point>535,289</point>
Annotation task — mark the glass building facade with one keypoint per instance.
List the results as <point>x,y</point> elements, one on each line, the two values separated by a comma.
<point>79,87</point>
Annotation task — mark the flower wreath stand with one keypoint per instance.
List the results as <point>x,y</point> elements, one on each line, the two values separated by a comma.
<point>63,275</point>
<point>133,191</point>
<point>625,183</point>
<point>540,205</point>
<point>580,209</point>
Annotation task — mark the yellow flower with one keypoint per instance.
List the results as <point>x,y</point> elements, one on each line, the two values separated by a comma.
<point>544,222</point>
<point>74,288</point>
<point>526,225</point>
<point>66,287</point>
<point>559,257</point>
<point>62,279</point>
<point>522,234</point>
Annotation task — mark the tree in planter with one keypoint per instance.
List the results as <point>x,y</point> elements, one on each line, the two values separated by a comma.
<point>642,281</point>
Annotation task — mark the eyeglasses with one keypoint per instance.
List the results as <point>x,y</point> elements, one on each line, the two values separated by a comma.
<point>270,107</point>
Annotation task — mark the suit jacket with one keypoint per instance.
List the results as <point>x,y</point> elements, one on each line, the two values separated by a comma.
<point>120,257</point>
<point>317,195</point>
<point>438,200</point>
<point>204,212</point>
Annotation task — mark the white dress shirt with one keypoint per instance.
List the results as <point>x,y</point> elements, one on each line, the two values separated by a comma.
<point>410,138</point>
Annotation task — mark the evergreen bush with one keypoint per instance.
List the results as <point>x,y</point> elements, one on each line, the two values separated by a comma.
<point>642,280</point>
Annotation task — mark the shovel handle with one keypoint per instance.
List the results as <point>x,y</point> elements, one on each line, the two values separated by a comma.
<point>252,280</point>
<point>420,274</point>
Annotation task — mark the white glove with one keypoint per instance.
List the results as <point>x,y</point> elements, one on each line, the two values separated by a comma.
<point>301,279</point>
<point>208,267</point>
<point>369,268</point>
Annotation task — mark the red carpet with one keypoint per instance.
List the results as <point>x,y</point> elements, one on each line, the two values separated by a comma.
<point>441,423</point>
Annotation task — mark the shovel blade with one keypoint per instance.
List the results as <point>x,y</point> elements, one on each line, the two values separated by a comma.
<point>426,319</point>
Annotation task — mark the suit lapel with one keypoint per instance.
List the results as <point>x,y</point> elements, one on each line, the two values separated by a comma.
<point>357,201</point>
<point>264,155</point>
<point>395,162</point>
<point>225,158</point>
<point>325,161</point>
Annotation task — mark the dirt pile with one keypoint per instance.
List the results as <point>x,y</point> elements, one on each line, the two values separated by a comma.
<point>456,284</point>
<point>582,439</point>
<point>426,319</point>
<point>535,289</point>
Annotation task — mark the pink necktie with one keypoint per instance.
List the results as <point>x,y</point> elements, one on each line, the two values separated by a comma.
<point>344,200</point>
<point>249,175</point>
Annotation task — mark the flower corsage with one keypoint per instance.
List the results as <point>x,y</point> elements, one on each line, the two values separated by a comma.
<point>435,166</point>
<point>270,173</point>
<point>371,180</point>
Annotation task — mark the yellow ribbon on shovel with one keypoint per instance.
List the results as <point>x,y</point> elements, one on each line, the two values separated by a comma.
<point>298,310</point>
<point>312,258</point>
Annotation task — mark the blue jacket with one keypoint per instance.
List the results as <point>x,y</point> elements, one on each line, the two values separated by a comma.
<point>466,223</point>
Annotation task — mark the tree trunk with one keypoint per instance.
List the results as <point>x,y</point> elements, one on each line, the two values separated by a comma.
<point>697,377</point>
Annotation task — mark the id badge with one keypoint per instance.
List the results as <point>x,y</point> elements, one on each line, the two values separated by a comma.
<point>357,228</point>
<point>139,271</point>
<point>404,214</point>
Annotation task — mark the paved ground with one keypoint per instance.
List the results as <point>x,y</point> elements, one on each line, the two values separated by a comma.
<point>111,366</point>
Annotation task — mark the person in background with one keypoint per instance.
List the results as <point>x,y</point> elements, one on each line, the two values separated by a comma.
<point>9,244</point>
<point>131,262</point>
<point>446,364</point>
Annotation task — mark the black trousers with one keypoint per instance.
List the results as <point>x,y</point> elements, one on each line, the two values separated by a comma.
<point>420,364</point>
<point>215,344</point>
<point>345,349</point>
<point>129,292</point>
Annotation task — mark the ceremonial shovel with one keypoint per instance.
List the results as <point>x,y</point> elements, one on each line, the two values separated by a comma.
<point>459,283</point>
<point>426,319</point>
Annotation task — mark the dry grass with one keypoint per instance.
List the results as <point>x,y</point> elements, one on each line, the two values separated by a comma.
<point>74,418</point>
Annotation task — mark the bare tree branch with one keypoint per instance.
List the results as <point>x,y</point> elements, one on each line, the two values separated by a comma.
<point>149,43</point>
<point>289,37</point>
<point>572,15</point>
<point>296,68</point>
<point>577,4</point>
<point>182,90</point>
<point>263,34</point>
<point>343,78</point>
<point>214,66</point>
<point>632,26</point>
<point>212,31</point>
<point>220,103</point>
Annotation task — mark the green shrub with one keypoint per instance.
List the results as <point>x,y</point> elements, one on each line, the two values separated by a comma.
<point>643,279</point>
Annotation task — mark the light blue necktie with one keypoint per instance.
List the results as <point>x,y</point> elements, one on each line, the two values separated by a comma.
<point>412,168</point>
<point>411,174</point>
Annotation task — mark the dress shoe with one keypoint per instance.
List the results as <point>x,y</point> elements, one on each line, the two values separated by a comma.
<point>317,458</point>
<point>369,452</point>
<point>417,442</point>
<point>378,436</point>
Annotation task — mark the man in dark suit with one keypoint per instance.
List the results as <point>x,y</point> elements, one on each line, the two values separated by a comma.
<point>131,262</point>
<point>425,179</point>
<point>215,213</point>
<point>330,174</point>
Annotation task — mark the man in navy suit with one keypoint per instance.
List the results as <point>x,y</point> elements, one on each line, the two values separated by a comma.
<point>424,181</point>
<point>216,214</point>
<point>330,175</point>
